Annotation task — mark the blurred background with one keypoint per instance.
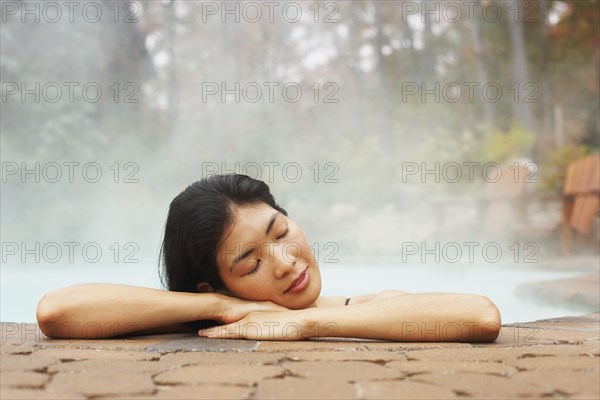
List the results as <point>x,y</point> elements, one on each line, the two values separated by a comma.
<point>421,146</point>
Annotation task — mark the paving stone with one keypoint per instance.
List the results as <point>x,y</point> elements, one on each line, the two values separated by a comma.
<point>531,334</point>
<point>310,345</point>
<point>103,383</point>
<point>483,386</point>
<point>197,343</point>
<point>295,388</point>
<point>568,382</point>
<point>341,371</point>
<point>91,354</point>
<point>581,291</point>
<point>226,374</point>
<point>208,392</point>
<point>30,394</point>
<point>592,317</point>
<point>183,392</point>
<point>569,326</point>
<point>517,338</point>
<point>556,350</point>
<point>20,333</point>
<point>114,366</point>
<point>403,346</point>
<point>25,363</point>
<point>404,389</point>
<point>129,343</point>
<point>497,354</point>
<point>193,358</point>
<point>576,363</point>
<point>420,367</point>
<point>518,335</point>
<point>23,379</point>
<point>550,358</point>
<point>593,346</point>
<point>17,348</point>
<point>372,356</point>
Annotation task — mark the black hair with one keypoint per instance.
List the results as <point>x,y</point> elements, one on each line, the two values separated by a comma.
<point>197,220</point>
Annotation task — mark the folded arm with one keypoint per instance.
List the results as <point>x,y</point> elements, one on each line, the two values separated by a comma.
<point>95,311</point>
<point>422,317</point>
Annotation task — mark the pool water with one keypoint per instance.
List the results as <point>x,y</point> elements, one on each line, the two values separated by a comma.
<point>22,286</point>
<point>497,283</point>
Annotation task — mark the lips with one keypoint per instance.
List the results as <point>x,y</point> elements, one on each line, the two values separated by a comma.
<point>297,280</point>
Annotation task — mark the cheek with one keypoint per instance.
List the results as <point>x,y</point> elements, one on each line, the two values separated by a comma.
<point>300,244</point>
<point>253,288</point>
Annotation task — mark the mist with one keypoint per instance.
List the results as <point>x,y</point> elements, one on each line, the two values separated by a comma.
<point>391,133</point>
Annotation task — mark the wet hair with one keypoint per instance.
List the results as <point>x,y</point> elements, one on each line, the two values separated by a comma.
<point>197,220</point>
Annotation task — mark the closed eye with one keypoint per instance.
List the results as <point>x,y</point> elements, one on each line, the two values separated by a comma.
<point>255,270</point>
<point>284,234</point>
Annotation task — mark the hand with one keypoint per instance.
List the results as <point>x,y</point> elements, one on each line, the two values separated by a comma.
<point>290,325</point>
<point>233,309</point>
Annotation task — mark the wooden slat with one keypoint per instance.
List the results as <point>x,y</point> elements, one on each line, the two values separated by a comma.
<point>570,180</point>
<point>594,178</point>
<point>579,186</point>
<point>586,214</point>
<point>577,210</point>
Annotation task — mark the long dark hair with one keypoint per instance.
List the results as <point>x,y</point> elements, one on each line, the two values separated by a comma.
<point>196,223</point>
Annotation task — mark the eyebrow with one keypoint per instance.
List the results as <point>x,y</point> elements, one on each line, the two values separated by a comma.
<point>250,251</point>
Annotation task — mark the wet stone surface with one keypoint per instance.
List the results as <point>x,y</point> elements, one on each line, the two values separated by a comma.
<point>195,343</point>
<point>554,358</point>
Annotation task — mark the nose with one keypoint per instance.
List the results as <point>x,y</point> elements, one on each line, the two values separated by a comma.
<point>284,260</point>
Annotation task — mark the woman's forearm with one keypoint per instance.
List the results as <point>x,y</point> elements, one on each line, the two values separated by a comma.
<point>414,317</point>
<point>108,310</point>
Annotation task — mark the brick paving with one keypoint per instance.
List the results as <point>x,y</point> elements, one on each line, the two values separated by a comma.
<point>557,358</point>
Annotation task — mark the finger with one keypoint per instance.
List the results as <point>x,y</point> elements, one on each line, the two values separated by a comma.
<point>220,332</point>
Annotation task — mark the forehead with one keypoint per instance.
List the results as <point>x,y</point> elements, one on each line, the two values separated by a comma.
<point>248,224</point>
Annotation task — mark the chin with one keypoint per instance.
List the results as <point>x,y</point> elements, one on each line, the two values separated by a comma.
<point>308,299</point>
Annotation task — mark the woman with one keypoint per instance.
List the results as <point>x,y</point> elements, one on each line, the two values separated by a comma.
<point>237,267</point>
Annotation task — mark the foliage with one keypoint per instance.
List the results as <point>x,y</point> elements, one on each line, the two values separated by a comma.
<point>503,146</point>
<point>553,168</point>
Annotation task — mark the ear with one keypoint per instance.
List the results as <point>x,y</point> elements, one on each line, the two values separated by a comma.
<point>204,287</point>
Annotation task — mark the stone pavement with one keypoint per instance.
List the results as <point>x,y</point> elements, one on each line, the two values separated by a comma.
<point>558,358</point>
<point>582,292</point>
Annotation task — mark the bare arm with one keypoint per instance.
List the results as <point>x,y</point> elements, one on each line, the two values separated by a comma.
<point>105,310</point>
<point>95,311</point>
<point>423,317</point>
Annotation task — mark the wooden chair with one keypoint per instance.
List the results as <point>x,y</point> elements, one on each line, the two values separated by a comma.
<point>581,201</point>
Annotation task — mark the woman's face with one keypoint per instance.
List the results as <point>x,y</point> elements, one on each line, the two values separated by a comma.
<point>264,256</point>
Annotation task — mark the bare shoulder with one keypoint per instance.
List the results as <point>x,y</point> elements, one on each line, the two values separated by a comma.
<point>385,294</point>
<point>330,301</point>
<point>336,301</point>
